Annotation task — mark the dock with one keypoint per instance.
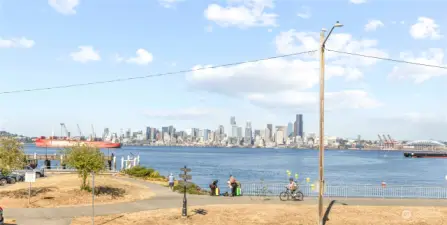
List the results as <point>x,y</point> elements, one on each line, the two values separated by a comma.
<point>431,154</point>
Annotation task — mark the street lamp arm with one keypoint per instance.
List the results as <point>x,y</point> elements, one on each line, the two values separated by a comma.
<point>327,37</point>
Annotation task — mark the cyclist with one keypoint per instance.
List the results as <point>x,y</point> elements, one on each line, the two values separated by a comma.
<point>292,186</point>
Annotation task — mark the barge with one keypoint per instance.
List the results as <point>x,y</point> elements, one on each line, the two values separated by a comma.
<point>425,154</point>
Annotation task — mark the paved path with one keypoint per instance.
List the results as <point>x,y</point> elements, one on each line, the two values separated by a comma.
<point>166,199</point>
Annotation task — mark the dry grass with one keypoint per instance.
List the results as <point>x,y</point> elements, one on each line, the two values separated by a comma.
<point>63,190</point>
<point>279,215</point>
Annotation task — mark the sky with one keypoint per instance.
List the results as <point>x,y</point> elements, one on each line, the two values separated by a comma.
<point>46,43</point>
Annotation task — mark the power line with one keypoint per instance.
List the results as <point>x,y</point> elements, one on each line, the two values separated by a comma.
<point>155,75</point>
<point>389,59</point>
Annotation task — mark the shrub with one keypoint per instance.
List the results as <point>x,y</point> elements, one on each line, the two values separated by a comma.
<point>191,188</point>
<point>143,172</point>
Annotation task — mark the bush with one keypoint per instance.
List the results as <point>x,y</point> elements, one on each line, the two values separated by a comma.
<point>191,188</point>
<point>143,172</point>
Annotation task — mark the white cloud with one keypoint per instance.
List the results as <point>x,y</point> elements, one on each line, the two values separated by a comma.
<point>169,3</point>
<point>425,28</point>
<point>357,1</point>
<point>16,43</point>
<point>292,41</point>
<point>419,74</point>
<point>143,57</point>
<point>85,54</point>
<point>308,101</point>
<point>274,80</point>
<point>66,7</point>
<point>242,13</point>
<point>190,113</point>
<point>372,25</point>
<point>305,14</point>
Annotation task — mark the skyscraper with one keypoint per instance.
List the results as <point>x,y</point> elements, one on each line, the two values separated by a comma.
<point>270,132</point>
<point>232,120</point>
<point>289,129</point>
<point>298,126</point>
<point>248,131</point>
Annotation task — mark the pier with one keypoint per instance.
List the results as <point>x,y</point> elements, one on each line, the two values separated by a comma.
<point>126,163</point>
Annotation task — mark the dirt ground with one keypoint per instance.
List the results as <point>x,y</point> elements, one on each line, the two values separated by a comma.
<point>63,190</point>
<point>279,214</point>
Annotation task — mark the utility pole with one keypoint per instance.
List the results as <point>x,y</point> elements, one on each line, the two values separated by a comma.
<point>323,41</point>
<point>321,156</point>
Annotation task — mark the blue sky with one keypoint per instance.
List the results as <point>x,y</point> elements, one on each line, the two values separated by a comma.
<point>40,44</point>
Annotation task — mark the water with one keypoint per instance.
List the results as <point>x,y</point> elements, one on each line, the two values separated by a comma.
<point>252,165</point>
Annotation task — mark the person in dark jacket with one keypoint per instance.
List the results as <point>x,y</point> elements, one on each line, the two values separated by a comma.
<point>213,187</point>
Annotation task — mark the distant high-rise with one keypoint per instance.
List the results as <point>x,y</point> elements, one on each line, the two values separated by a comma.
<point>298,126</point>
<point>289,129</point>
<point>270,132</point>
<point>148,133</point>
<point>239,132</point>
<point>248,131</point>
<point>232,120</point>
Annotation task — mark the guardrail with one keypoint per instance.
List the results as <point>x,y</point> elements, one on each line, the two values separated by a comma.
<point>346,191</point>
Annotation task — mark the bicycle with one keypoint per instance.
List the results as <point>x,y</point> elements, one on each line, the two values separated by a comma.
<point>287,195</point>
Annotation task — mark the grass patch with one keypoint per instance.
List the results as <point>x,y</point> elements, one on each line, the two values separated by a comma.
<point>191,188</point>
<point>24,193</point>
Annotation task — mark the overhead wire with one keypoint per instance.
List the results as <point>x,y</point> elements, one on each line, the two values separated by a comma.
<point>388,59</point>
<point>215,67</point>
<point>156,75</point>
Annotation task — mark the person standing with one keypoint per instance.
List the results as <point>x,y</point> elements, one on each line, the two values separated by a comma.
<point>171,181</point>
<point>233,185</point>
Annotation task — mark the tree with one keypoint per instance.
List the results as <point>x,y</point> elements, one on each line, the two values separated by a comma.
<point>12,155</point>
<point>85,159</point>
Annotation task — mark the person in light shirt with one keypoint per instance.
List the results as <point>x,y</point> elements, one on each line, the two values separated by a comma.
<point>292,186</point>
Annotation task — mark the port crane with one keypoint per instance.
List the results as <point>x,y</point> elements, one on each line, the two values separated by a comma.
<point>64,129</point>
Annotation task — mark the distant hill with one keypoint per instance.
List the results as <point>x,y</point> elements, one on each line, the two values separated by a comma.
<point>20,137</point>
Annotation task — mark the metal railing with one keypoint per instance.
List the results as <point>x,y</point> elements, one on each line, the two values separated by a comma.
<point>347,191</point>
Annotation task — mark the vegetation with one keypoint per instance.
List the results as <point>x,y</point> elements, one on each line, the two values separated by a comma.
<point>86,160</point>
<point>144,172</point>
<point>12,155</point>
<point>191,188</point>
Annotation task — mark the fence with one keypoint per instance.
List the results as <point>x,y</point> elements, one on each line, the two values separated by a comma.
<point>349,191</point>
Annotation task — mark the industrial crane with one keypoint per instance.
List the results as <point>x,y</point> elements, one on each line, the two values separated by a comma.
<point>380,140</point>
<point>64,129</point>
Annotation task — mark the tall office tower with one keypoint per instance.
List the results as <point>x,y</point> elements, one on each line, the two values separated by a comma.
<point>232,120</point>
<point>298,128</point>
<point>171,130</point>
<point>164,131</point>
<point>248,131</point>
<point>206,134</point>
<point>148,133</point>
<point>270,131</point>
<point>257,133</point>
<point>128,133</point>
<point>289,129</point>
<point>220,132</point>
<point>267,134</point>
<point>239,132</point>
<point>194,132</point>
<point>234,131</point>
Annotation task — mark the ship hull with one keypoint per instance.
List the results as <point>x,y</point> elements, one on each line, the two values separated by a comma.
<point>47,143</point>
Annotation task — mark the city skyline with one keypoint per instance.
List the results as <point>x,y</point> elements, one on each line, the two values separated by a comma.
<point>66,44</point>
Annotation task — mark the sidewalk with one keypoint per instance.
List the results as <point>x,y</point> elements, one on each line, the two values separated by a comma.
<point>166,199</point>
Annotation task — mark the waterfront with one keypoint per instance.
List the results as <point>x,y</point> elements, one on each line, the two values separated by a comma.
<point>250,165</point>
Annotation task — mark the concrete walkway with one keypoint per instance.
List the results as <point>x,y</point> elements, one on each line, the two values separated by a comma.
<point>166,199</point>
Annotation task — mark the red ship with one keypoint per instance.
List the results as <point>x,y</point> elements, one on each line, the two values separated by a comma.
<point>43,142</point>
<point>62,142</point>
